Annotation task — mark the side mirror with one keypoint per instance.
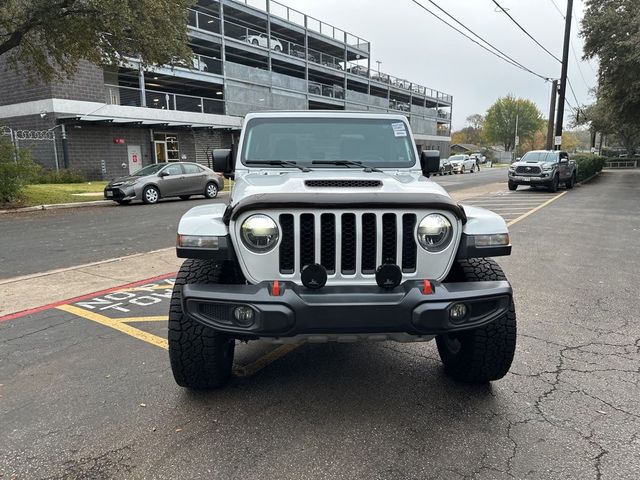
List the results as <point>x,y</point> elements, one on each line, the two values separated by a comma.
<point>222,160</point>
<point>518,159</point>
<point>163,174</point>
<point>430,162</point>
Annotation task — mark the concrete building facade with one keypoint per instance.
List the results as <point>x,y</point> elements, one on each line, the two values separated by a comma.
<point>107,122</point>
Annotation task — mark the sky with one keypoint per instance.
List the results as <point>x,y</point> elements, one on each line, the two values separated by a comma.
<point>414,45</point>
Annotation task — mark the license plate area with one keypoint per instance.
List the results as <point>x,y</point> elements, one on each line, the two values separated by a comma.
<point>109,193</point>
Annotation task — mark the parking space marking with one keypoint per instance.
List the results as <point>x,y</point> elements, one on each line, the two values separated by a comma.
<point>525,215</point>
<point>116,324</point>
<point>267,359</point>
<point>157,318</point>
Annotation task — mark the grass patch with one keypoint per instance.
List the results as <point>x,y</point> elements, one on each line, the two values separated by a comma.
<point>51,193</point>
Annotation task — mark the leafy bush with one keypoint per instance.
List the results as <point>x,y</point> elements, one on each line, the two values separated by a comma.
<point>588,165</point>
<point>16,170</point>
<point>62,176</point>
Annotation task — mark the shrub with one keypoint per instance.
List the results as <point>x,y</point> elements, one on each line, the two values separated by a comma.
<point>16,170</point>
<point>588,165</point>
<point>62,176</point>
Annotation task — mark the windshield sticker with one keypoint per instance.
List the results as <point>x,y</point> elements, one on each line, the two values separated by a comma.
<point>399,129</point>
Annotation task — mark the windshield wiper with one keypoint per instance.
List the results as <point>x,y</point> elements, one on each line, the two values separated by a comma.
<point>278,162</point>
<point>347,163</point>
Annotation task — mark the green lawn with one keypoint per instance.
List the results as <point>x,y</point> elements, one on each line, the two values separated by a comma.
<point>49,193</point>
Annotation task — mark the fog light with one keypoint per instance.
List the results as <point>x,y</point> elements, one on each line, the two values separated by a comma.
<point>458,311</point>
<point>243,316</point>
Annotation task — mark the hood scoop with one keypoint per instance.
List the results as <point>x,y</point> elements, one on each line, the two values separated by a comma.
<point>343,183</point>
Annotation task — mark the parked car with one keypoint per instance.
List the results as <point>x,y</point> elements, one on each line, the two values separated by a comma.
<point>359,70</point>
<point>261,40</point>
<point>462,163</point>
<point>162,180</point>
<point>445,167</point>
<point>543,168</point>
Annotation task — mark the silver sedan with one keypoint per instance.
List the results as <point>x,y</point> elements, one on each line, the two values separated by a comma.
<point>162,180</point>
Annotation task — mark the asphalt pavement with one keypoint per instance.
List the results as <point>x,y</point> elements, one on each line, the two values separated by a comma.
<point>86,390</point>
<point>35,242</point>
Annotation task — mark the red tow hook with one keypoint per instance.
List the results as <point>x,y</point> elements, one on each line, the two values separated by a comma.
<point>277,288</point>
<point>427,288</point>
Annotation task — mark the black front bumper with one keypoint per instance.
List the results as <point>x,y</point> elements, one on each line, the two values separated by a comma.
<point>346,309</point>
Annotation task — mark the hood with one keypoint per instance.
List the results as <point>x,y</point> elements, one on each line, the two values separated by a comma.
<point>530,164</point>
<point>120,180</point>
<point>329,182</point>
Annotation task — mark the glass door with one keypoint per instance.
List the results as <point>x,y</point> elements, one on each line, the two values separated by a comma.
<point>161,151</point>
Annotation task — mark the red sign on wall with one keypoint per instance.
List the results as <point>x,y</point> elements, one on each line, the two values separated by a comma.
<point>119,141</point>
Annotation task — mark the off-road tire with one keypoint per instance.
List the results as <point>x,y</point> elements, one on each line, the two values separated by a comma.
<point>483,354</point>
<point>513,186</point>
<point>201,358</point>
<point>553,186</point>
<point>569,184</point>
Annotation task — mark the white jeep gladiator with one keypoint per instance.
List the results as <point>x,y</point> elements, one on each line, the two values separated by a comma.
<point>334,232</point>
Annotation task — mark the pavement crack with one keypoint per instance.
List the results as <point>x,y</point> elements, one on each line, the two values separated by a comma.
<point>36,331</point>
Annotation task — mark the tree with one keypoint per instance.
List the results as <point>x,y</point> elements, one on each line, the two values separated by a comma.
<point>472,133</point>
<point>602,117</point>
<point>16,170</point>
<point>47,38</point>
<point>500,121</point>
<point>611,31</point>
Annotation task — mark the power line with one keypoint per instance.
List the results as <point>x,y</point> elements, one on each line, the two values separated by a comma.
<point>573,91</point>
<point>575,55</point>
<point>501,55</point>
<point>559,11</point>
<point>525,31</point>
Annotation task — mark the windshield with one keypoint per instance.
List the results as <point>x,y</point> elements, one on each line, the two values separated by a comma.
<point>149,170</point>
<point>377,142</point>
<point>536,157</point>
<point>456,157</point>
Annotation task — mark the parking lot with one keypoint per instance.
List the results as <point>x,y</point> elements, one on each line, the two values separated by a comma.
<point>86,390</point>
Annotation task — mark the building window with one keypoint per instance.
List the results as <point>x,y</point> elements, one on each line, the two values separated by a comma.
<point>167,148</point>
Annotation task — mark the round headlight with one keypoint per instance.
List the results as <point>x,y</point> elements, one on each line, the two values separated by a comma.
<point>435,232</point>
<point>259,233</point>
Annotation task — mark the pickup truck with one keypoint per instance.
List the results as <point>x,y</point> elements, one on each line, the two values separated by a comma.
<point>543,168</point>
<point>335,232</point>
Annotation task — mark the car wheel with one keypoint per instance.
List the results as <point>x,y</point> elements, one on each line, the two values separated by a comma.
<point>150,195</point>
<point>569,184</point>
<point>211,191</point>
<point>255,42</point>
<point>277,48</point>
<point>483,354</point>
<point>513,186</point>
<point>123,202</point>
<point>450,172</point>
<point>553,186</point>
<point>201,357</point>
<point>185,197</point>
<point>462,170</point>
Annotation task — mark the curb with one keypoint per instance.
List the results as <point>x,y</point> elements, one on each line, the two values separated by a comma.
<point>59,206</point>
<point>588,179</point>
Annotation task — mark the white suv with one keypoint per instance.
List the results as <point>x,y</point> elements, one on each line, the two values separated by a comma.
<point>334,232</point>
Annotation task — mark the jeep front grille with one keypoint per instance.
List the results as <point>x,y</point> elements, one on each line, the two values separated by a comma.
<point>347,244</point>
<point>528,170</point>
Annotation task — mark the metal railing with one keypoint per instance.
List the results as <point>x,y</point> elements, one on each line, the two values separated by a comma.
<point>257,38</point>
<point>621,164</point>
<point>333,91</point>
<point>132,97</point>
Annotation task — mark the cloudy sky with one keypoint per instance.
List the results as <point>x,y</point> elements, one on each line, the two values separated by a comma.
<point>412,44</point>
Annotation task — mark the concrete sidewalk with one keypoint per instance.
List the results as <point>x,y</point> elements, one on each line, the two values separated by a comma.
<point>32,291</point>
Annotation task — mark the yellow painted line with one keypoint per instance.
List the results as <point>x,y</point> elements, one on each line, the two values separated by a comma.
<point>158,318</point>
<point>267,359</point>
<point>116,325</point>
<point>542,205</point>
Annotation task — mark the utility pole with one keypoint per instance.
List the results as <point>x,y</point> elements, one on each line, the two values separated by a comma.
<point>552,112</point>
<point>516,140</point>
<point>563,75</point>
